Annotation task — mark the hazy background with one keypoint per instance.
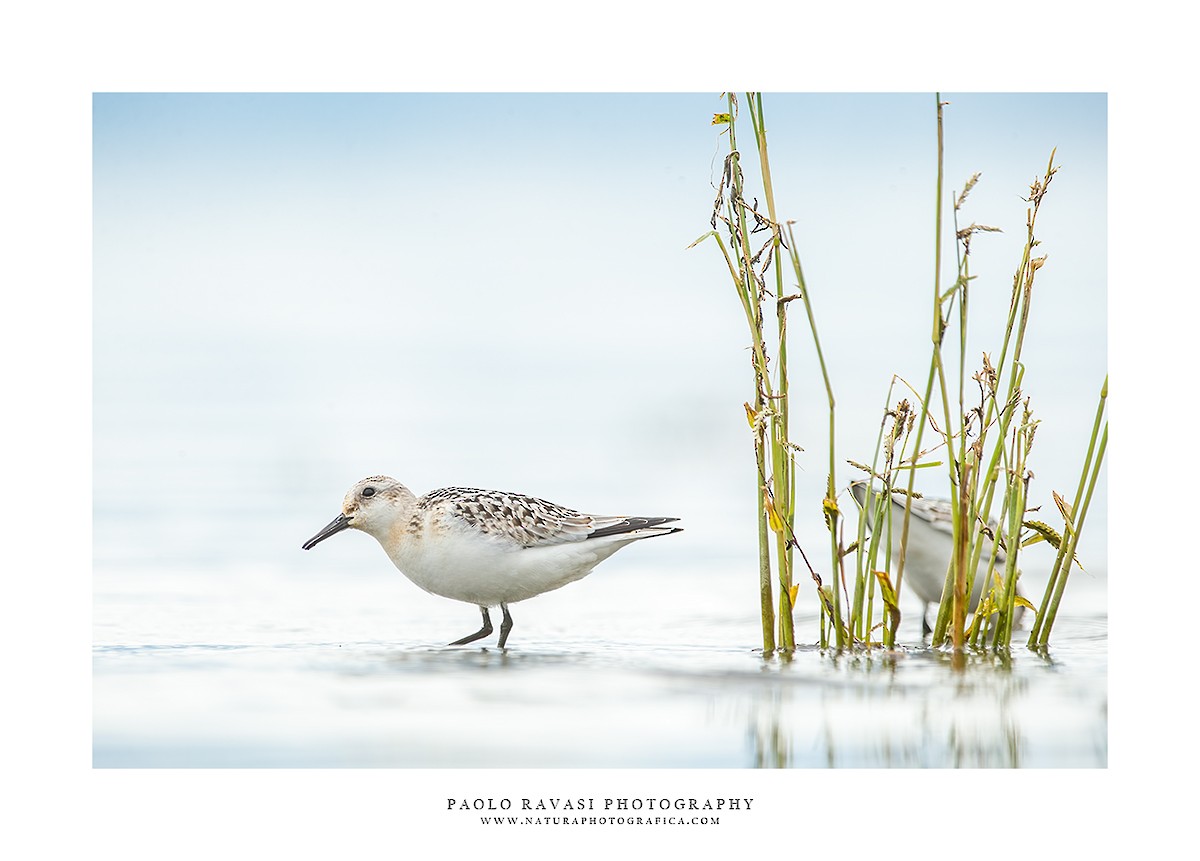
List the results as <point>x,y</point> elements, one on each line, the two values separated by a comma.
<point>295,291</point>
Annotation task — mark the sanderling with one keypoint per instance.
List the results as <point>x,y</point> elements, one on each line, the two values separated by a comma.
<point>930,541</point>
<point>485,547</point>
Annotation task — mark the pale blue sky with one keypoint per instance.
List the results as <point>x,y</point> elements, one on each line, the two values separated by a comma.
<point>497,290</point>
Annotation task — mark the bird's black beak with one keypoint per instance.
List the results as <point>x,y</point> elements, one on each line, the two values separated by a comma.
<point>335,526</point>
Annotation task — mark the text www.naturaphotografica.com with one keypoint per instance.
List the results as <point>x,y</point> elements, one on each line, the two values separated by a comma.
<point>600,820</point>
<point>602,811</point>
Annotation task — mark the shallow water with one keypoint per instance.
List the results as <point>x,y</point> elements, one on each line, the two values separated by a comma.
<point>632,667</point>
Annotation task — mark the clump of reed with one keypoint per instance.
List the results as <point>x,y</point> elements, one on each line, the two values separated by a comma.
<point>737,227</point>
<point>985,433</point>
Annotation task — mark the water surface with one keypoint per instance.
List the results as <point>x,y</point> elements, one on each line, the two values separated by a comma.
<point>632,667</point>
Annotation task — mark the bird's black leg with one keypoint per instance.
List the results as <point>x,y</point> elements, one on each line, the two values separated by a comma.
<point>926,630</point>
<point>485,630</point>
<point>505,625</point>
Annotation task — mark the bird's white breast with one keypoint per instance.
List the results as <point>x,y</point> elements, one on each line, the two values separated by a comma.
<point>453,561</point>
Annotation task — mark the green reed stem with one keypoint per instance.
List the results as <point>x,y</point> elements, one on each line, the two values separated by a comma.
<point>935,367</point>
<point>1061,583</point>
<point>1073,520</point>
<point>749,291</point>
<point>830,502</point>
<point>1008,370</point>
<point>781,457</point>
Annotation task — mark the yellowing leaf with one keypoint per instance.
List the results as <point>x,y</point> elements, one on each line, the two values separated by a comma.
<point>751,415</point>
<point>886,589</point>
<point>1063,507</point>
<point>773,517</point>
<point>1024,602</point>
<point>829,509</point>
<point>1042,532</point>
<point>987,607</point>
<point>792,592</point>
<point>721,119</point>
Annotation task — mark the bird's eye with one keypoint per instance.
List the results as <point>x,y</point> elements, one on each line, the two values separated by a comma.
<point>368,491</point>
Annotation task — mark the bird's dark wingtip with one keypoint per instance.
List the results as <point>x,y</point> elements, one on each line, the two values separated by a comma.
<point>671,532</point>
<point>632,524</point>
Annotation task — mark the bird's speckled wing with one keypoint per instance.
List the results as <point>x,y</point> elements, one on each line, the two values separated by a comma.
<point>937,513</point>
<point>524,520</point>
